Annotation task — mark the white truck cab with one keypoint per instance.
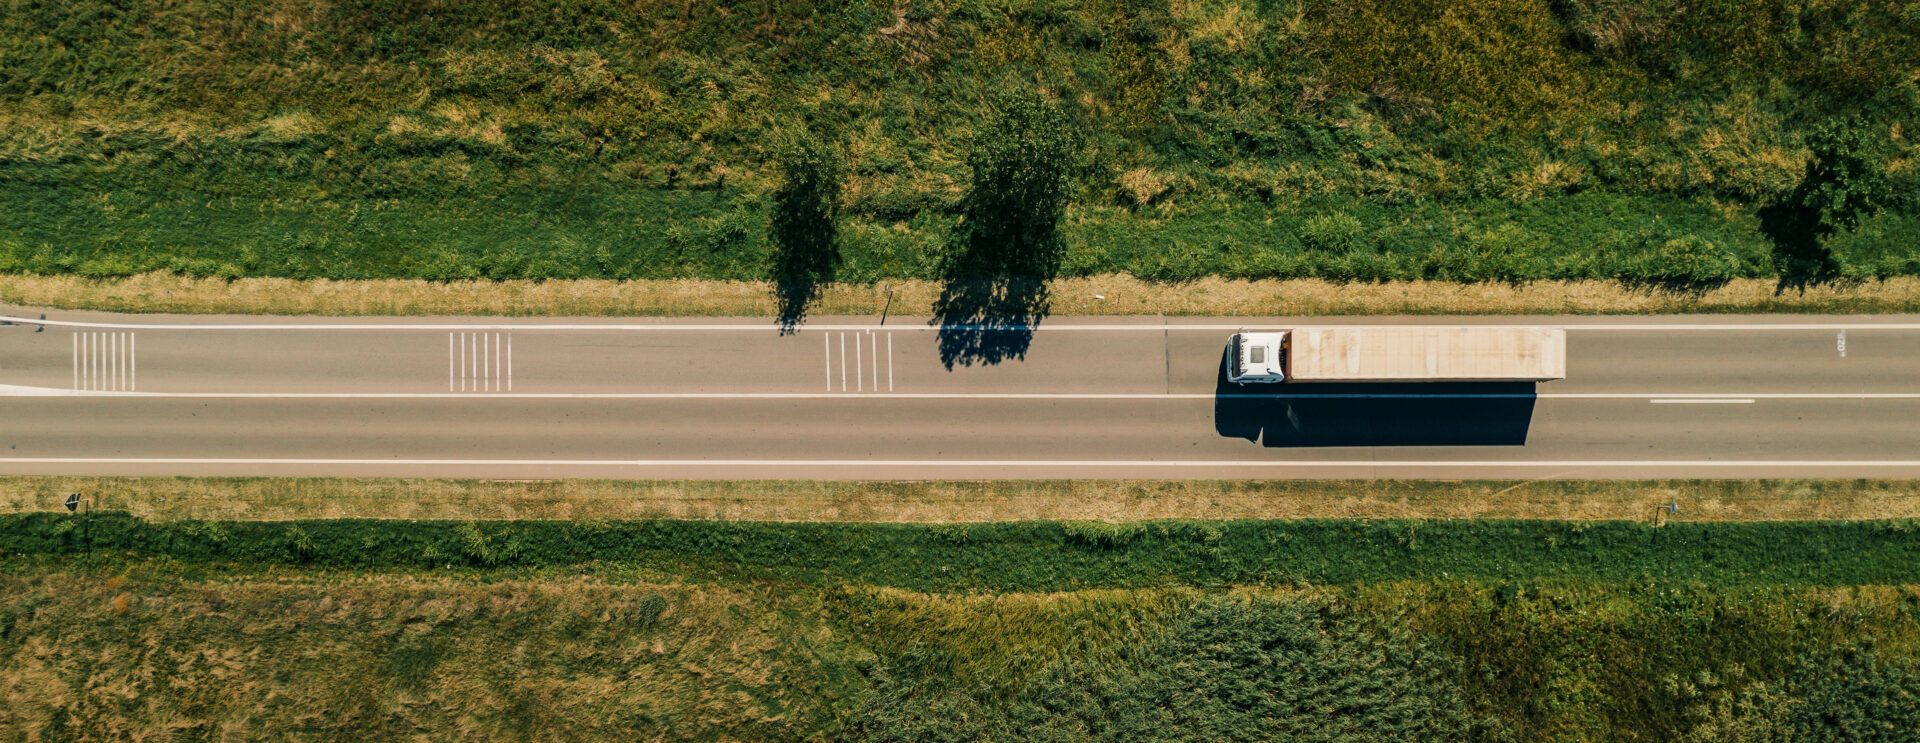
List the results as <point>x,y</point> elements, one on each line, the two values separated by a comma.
<point>1258,357</point>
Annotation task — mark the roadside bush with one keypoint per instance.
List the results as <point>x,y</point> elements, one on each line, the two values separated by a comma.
<point>108,267</point>
<point>1507,252</point>
<point>1180,263</point>
<point>1685,263</point>
<point>1268,262</point>
<point>506,262</point>
<point>1334,233</point>
<point>1101,534</point>
<point>1366,265</point>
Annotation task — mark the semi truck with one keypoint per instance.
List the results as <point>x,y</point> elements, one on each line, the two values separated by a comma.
<point>1398,354</point>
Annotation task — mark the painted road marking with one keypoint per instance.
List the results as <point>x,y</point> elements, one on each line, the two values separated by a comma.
<point>1049,327</point>
<point>1746,397</point>
<point>1701,401</point>
<point>105,361</point>
<point>865,361</point>
<point>480,362</point>
<point>1145,463</point>
<point>1842,343</point>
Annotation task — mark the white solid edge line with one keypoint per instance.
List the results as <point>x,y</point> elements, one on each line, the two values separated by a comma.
<point>1052,327</point>
<point>965,462</point>
<point>1698,401</point>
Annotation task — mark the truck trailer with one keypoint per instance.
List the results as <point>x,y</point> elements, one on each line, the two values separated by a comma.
<point>1398,354</point>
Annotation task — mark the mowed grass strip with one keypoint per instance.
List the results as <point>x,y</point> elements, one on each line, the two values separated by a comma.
<point>1111,294</point>
<point>282,499</point>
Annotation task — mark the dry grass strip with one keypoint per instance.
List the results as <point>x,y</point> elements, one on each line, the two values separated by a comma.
<point>1099,295</point>
<point>268,499</point>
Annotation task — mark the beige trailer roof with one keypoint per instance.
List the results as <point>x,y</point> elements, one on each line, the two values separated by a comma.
<point>1428,354</point>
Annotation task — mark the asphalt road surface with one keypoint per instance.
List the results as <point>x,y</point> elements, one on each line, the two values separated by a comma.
<point>849,398</point>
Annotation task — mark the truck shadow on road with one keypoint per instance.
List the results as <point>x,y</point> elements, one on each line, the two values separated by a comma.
<point>1374,414</point>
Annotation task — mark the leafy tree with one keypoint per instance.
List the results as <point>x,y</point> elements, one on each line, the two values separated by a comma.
<point>804,230</point>
<point>1009,244</point>
<point>1846,179</point>
<point>1845,183</point>
<point>1022,163</point>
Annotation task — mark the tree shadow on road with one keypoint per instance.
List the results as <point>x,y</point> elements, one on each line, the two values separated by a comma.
<point>793,293</point>
<point>987,320</point>
<point>804,228</point>
<point>1008,245</point>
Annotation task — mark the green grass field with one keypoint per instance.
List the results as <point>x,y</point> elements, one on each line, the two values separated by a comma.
<point>710,631</point>
<point>1356,141</point>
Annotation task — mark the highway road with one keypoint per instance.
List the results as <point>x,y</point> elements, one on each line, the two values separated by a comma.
<point>849,398</point>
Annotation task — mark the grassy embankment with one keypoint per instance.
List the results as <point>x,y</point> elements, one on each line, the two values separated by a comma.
<point>1508,140</point>
<point>1482,611</point>
<point>1478,630</point>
